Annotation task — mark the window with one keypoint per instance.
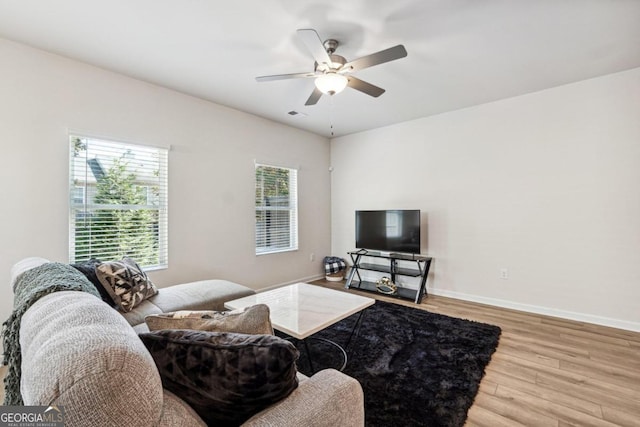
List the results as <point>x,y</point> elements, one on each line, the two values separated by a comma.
<point>118,202</point>
<point>276,209</point>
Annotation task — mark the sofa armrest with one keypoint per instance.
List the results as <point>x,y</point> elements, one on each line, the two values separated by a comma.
<point>327,399</point>
<point>79,352</point>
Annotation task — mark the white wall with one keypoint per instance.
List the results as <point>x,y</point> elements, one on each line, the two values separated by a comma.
<point>545,185</point>
<point>211,164</point>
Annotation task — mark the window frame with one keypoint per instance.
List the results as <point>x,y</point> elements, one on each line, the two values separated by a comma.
<point>292,208</point>
<point>83,186</point>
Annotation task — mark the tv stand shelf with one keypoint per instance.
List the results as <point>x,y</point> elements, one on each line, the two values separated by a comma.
<point>420,269</point>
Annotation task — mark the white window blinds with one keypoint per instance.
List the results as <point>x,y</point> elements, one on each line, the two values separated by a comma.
<point>276,209</point>
<point>118,202</point>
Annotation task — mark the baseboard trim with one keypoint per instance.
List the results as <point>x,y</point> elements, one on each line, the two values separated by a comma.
<point>563,314</point>
<point>302,280</point>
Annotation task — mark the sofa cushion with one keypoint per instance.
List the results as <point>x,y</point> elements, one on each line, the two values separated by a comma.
<point>226,378</point>
<point>88,268</point>
<point>250,320</point>
<point>125,281</point>
<point>176,412</point>
<point>138,314</point>
<point>201,295</point>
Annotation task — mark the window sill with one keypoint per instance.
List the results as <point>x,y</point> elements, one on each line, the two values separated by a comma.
<point>276,251</point>
<point>155,267</point>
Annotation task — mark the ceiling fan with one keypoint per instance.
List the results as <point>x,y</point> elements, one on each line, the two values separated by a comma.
<point>332,73</point>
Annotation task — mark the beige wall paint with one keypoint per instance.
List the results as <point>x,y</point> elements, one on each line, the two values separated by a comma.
<point>211,165</point>
<point>545,185</point>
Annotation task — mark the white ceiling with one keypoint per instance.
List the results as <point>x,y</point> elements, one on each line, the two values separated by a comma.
<point>460,52</point>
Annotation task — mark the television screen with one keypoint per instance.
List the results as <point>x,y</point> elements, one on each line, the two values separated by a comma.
<point>389,230</point>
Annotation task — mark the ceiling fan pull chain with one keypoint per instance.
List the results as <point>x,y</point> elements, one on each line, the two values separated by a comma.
<point>331,115</point>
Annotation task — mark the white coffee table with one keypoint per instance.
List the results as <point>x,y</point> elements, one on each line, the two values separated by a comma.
<point>301,310</point>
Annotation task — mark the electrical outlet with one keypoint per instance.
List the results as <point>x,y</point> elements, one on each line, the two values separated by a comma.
<point>312,257</point>
<point>504,273</point>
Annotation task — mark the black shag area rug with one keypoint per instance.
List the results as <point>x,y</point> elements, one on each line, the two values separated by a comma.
<point>416,368</point>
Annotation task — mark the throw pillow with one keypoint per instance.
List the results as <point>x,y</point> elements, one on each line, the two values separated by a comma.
<point>251,320</point>
<point>125,282</point>
<point>88,268</point>
<point>225,377</point>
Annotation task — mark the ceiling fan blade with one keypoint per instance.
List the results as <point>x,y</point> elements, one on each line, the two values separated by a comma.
<point>364,87</point>
<point>315,96</point>
<point>312,41</point>
<point>285,77</point>
<point>377,58</point>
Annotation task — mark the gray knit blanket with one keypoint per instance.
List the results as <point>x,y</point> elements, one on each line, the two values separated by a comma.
<point>30,287</point>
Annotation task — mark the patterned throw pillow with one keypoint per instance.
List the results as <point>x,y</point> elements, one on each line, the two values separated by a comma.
<point>125,281</point>
<point>225,377</point>
<point>251,320</point>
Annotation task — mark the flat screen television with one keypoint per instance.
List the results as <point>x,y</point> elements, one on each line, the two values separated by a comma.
<point>388,230</point>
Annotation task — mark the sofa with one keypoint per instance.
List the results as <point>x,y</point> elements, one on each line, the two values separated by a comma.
<point>83,355</point>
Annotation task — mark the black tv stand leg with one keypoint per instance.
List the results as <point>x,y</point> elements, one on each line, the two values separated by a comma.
<point>423,283</point>
<point>354,270</point>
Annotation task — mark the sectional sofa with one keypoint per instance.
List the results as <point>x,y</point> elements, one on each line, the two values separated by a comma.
<point>83,355</point>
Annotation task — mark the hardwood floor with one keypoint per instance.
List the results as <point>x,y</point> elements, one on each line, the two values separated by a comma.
<point>548,371</point>
<point>3,370</point>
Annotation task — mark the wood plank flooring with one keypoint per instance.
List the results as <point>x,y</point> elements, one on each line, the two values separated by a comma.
<point>3,371</point>
<point>548,371</point>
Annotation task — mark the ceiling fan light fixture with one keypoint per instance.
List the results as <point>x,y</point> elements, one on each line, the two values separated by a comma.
<point>331,83</point>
